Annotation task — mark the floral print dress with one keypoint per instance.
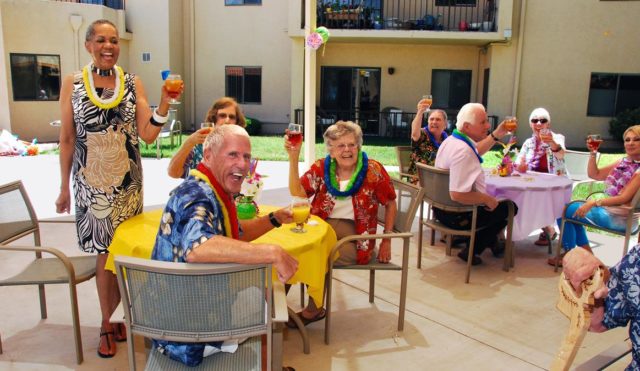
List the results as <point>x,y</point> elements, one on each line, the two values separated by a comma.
<point>424,151</point>
<point>107,170</point>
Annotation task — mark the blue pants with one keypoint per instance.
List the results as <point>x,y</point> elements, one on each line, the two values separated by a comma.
<point>575,234</point>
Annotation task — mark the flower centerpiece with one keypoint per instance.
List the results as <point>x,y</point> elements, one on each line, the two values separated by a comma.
<point>506,166</point>
<point>246,202</point>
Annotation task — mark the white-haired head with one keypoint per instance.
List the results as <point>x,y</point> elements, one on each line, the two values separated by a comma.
<point>216,137</point>
<point>468,113</point>
<point>539,113</point>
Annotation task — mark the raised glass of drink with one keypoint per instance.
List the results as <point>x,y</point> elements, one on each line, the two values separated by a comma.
<point>593,142</point>
<point>173,84</point>
<point>545,135</point>
<point>511,123</point>
<point>295,134</point>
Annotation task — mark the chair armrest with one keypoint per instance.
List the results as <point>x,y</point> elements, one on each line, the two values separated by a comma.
<point>51,250</point>
<point>280,313</point>
<point>593,193</point>
<point>347,239</point>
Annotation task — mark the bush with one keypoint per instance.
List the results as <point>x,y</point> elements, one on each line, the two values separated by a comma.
<point>253,126</point>
<point>623,121</point>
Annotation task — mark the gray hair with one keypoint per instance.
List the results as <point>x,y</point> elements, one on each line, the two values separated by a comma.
<point>91,30</point>
<point>468,113</point>
<point>340,129</point>
<point>444,114</point>
<point>216,137</point>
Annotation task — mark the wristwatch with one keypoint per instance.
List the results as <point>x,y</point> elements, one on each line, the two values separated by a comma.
<point>274,221</point>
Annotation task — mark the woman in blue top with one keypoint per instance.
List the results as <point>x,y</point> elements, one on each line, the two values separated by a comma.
<point>224,111</point>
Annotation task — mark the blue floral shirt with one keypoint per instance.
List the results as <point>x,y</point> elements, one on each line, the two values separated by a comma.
<point>193,215</point>
<point>623,302</point>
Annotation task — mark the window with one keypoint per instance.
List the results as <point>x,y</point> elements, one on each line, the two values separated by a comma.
<point>610,94</point>
<point>35,77</point>
<point>244,84</point>
<point>451,89</point>
<point>242,2</point>
<point>455,2</point>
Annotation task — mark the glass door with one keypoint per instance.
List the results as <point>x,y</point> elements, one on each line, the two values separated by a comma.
<point>352,93</point>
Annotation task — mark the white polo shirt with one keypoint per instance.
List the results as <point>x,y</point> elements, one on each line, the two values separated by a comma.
<point>465,171</point>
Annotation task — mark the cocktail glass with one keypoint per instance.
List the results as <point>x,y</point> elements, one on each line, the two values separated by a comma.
<point>301,208</point>
<point>593,142</point>
<point>511,124</point>
<point>173,84</point>
<point>295,134</point>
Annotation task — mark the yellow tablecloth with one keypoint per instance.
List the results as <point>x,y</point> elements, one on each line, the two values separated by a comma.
<point>136,237</point>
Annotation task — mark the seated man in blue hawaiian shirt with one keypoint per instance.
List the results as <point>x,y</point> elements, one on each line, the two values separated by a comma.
<point>621,300</point>
<point>200,224</point>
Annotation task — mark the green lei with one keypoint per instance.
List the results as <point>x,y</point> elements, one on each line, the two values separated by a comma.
<point>356,180</point>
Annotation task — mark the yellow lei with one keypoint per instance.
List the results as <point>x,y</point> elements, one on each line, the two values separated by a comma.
<point>87,78</point>
<point>225,213</point>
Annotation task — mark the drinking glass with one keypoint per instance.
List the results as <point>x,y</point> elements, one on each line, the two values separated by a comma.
<point>173,84</point>
<point>301,208</point>
<point>511,124</point>
<point>593,142</point>
<point>427,99</point>
<point>545,136</point>
<point>295,134</point>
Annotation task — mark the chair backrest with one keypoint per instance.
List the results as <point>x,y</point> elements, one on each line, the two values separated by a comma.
<point>408,199</point>
<point>195,302</point>
<point>396,117</point>
<point>17,216</point>
<point>404,158</point>
<point>576,164</point>
<point>435,183</point>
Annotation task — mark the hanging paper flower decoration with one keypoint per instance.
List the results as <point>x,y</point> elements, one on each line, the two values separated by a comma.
<point>314,40</point>
<point>317,38</point>
<point>324,32</point>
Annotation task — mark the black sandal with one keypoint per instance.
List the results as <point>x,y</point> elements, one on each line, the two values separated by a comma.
<point>106,334</point>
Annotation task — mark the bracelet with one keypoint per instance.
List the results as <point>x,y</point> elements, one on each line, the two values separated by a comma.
<point>556,150</point>
<point>157,120</point>
<point>494,137</point>
<point>274,221</point>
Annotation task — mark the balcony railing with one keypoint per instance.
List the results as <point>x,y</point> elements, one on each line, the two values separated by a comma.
<point>427,15</point>
<point>113,4</point>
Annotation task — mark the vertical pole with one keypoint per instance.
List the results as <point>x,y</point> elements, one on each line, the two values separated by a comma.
<point>309,87</point>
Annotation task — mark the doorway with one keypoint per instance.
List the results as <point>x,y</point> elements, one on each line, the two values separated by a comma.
<point>352,93</point>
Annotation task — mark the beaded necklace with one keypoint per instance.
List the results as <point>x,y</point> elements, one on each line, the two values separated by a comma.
<point>118,94</point>
<point>100,72</point>
<point>463,137</point>
<point>355,182</point>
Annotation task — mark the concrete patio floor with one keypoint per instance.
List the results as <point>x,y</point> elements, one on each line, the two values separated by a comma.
<point>499,321</point>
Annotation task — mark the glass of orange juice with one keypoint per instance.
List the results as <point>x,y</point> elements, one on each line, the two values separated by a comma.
<point>173,84</point>
<point>301,209</point>
<point>428,100</point>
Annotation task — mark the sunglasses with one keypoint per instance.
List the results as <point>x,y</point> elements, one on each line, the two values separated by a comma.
<point>542,121</point>
<point>223,116</point>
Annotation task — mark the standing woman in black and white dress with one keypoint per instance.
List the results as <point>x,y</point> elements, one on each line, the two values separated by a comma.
<point>104,111</point>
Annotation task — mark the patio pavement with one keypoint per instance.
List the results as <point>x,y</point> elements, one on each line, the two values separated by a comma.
<point>499,321</point>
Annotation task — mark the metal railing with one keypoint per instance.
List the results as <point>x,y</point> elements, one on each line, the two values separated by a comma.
<point>427,15</point>
<point>113,4</point>
<point>390,123</point>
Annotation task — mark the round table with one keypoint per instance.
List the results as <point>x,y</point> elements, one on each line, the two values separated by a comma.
<point>540,198</point>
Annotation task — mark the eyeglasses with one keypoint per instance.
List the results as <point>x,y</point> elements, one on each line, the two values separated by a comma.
<point>349,146</point>
<point>223,116</point>
<point>542,121</point>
